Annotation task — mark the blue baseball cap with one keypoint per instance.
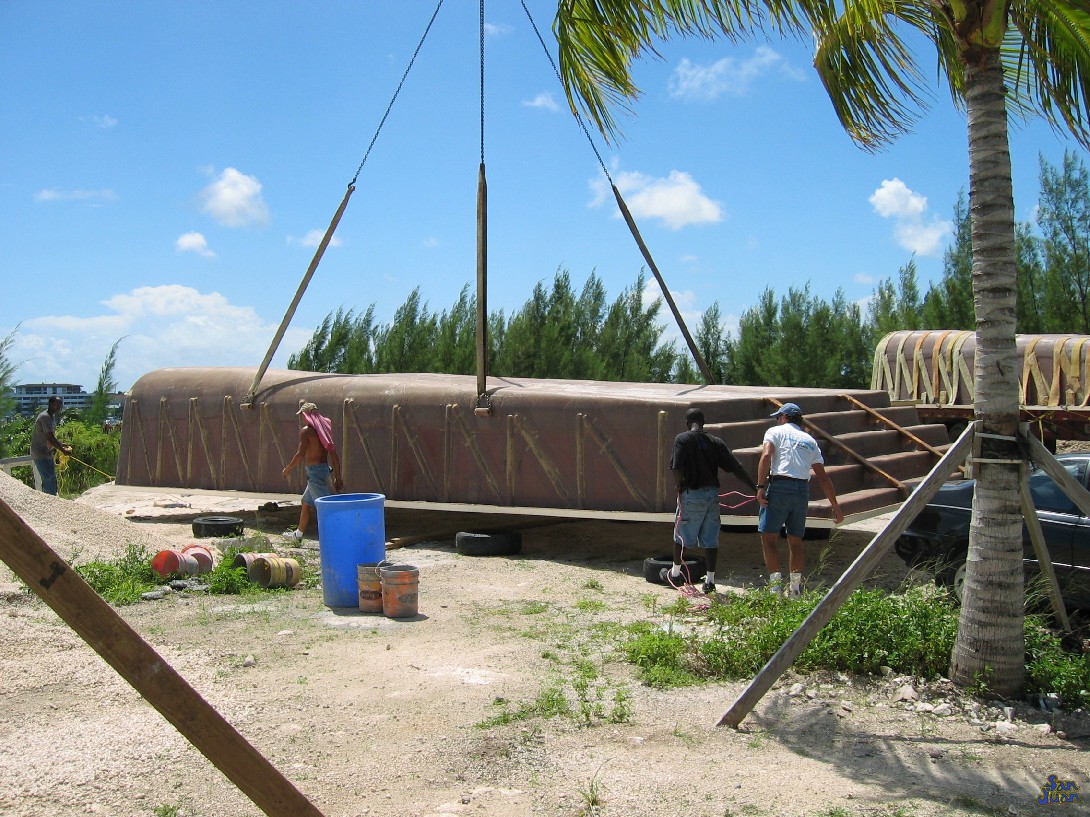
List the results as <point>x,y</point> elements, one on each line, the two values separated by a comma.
<point>790,409</point>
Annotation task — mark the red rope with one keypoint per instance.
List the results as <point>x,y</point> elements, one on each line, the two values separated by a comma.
<point>746,499</point>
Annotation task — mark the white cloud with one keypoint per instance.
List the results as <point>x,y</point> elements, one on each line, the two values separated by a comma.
<point>676,200</point>
<point>313,238</point>
<point>728,76</point>
<point>863,278</point>
<point>925,239</point>
<point>496,29</point>
<point>100,121</point>
<point>195,243</point>
<point>162,326</point>
<point>104,196</point>
<point>544,100</point>
<point>893,198</point>
<point>234,200</point>
<point>913,229</point>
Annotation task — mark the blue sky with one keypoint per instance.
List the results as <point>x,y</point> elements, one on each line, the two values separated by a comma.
<point>167,167</point>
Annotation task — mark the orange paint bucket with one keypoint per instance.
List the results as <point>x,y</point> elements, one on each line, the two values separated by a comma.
<point>400,590</point>
<point>203,556</point>
<point>167,563</point>
<point>370,587</point>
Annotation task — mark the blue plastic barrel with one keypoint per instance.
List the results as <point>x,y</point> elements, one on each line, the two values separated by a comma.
<point>351,532</point>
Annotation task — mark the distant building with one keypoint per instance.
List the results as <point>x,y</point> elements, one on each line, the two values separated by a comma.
<point>30,398</point>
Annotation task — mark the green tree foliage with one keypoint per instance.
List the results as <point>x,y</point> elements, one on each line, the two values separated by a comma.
<point>556,334</point>
<point>15,437</point>
<point>7,373</point>
<point>94,456</point>
<point>711,341</point>
<point>99,408</point>
<point>1063,216</point>
<point>342,344</point>
<point>1031,282</point>
<point>407,344</point>
<point>1053,268</point>
<point>629,342</point>
<point>801,341</point>
<point>895,308</point>
<point>456,336</point>
<point>948,303</point>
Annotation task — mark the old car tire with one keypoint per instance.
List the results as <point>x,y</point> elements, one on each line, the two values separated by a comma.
<point>950,571</point>
<point>206,526</point>
<point>492,543</point>
<point>693,567</point>
<point>959,583</point>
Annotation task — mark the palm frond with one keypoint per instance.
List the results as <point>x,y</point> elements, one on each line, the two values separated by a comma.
<point>868,69</point>
<point>599,40</point>
<point>1046,59</point>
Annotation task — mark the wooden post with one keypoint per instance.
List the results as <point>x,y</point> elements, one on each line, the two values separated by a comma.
<point>1050,465</point>
<point>863,566</point>
<point>482,281</point>
<point>1044,560</point>
<point>248,400</point>
<point>693,350</point>
<point>109,635</point>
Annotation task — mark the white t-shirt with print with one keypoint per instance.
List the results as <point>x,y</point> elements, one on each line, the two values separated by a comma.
<point>793,451</point>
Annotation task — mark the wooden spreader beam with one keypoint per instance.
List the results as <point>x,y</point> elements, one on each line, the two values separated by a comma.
<point>109,635</point>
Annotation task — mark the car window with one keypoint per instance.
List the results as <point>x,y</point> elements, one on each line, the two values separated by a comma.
<point>1048,496</point>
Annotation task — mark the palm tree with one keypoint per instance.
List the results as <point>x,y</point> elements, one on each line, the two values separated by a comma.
<point>1000,58</point>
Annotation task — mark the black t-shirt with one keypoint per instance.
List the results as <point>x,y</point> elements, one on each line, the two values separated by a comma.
<point>699,456</point>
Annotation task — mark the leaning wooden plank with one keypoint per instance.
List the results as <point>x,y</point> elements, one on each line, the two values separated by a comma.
<point>1037,537</point>
<point>863,566</point>
<point>48,575</point>
<point>1051,466</point>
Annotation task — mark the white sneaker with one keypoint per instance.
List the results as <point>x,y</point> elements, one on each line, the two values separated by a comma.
<point>775,584</point>
<point>293,535</point>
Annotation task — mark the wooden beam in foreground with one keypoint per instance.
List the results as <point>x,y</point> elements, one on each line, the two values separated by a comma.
<point>863,566</point>
<point>1044,559</point>
<point>109,635</point>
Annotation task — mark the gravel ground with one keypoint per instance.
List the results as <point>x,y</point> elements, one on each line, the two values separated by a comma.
<point>379,717</point>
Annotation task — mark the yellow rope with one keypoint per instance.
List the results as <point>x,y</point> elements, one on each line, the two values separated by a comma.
<point>62,463</point>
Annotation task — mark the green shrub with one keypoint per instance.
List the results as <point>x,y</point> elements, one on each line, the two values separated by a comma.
<point>94,457</point>
<point>912,633</point>
<point>1049,668</point>
<point>122,580</point>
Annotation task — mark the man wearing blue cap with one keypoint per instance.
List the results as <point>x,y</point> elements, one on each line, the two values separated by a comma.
<point>788,456</point>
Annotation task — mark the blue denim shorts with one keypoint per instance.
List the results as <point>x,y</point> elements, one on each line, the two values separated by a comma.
<point>317,482</point>
<point>787,501</point>
<point>697,521</point>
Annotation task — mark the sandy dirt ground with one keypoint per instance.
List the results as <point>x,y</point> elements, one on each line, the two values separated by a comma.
<point>380,717</point>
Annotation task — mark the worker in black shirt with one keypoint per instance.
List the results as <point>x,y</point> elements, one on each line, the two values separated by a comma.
<point>695,464</point>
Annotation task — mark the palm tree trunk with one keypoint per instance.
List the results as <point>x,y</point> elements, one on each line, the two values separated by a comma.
<point>990,645</point>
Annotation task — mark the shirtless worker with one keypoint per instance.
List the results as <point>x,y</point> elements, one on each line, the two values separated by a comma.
<point>319,454</point>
